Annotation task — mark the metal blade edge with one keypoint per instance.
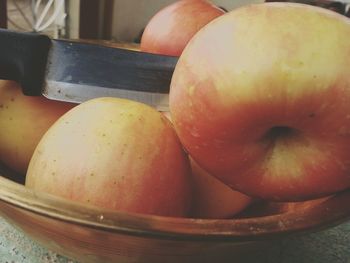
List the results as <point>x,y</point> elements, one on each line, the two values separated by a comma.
<point>78,93</point>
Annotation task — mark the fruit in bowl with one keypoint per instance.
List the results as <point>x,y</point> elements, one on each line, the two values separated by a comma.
<point>172,27</point>
<point>259,98</point>
<point>116,154</point>
<point>91,234</point>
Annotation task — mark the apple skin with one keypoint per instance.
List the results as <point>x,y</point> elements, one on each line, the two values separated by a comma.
<point>260,99</point>
<point>23,121</point>
<point>116,154</point>
<point>172,27</point>
<point>212,198</point>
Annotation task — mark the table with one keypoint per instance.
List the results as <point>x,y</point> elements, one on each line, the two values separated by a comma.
<point>327,246</point>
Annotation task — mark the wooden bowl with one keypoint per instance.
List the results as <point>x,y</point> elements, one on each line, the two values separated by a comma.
<point>90,234</point>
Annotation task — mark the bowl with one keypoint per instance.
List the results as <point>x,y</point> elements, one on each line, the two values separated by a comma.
<point>90,234</point>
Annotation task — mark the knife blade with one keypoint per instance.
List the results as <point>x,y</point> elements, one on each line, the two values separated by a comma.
<point>75,72</point>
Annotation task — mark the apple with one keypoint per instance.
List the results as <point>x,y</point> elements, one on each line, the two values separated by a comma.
<point>172,27</point>
<point>23,121</point>
<point>260,99</point>
<point>116,154</point>
<point>214,199</point>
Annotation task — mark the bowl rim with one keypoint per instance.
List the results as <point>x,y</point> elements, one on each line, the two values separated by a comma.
<point>331,212</point>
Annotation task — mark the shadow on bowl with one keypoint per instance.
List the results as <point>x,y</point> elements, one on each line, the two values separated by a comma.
<point>90,234</point>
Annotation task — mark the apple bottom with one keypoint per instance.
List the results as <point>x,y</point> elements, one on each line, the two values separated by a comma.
<point>290,167</point>
<point>267,145</point>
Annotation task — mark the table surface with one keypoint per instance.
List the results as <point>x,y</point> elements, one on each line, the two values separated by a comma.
<point>327,246</point>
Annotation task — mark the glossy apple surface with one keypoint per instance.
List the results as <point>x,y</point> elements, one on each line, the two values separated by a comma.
<point>116,154</point>
<point>23,121</point>
<point>172,27</point>
<point>260,99</point>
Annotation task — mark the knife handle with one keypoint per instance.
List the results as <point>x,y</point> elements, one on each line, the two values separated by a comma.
<point>23,58</point>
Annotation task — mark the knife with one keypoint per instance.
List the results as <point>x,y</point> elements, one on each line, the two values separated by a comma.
<point>75,72</point>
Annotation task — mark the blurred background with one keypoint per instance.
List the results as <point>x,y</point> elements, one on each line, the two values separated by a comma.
<point>116,20</point>
<point>119,20</point>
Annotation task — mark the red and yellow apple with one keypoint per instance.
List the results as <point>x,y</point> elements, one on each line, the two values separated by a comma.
<point>23,121</point>
<point>172,27</point>
<point>116,154</point>
<point>260,99</point>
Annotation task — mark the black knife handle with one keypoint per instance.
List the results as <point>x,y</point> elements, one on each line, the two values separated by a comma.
<point>23,58</point>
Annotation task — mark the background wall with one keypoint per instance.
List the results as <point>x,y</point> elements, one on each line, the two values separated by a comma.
<point>131,16</point>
